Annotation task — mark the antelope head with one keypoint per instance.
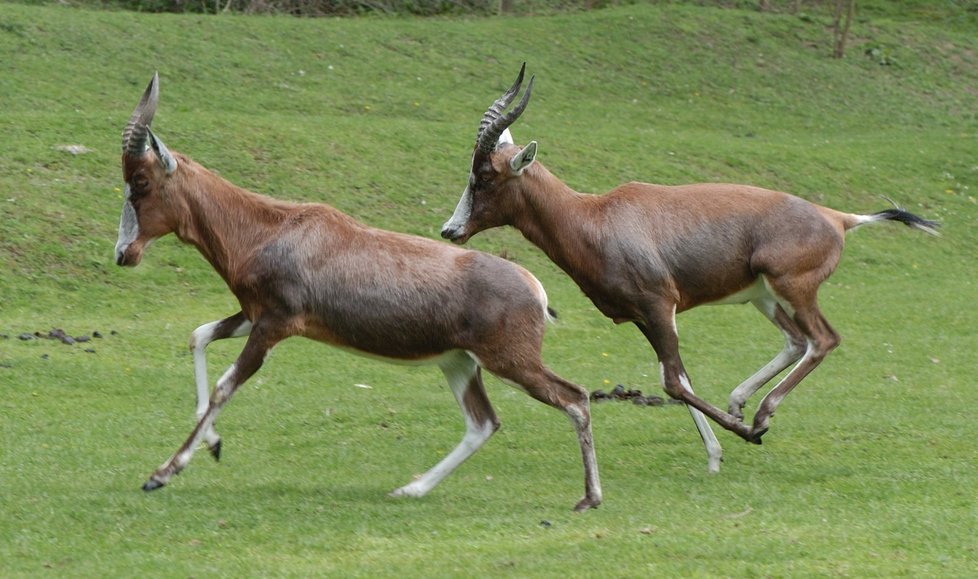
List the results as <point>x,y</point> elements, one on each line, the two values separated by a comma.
<point>147,166</point>
<point>489,197</point>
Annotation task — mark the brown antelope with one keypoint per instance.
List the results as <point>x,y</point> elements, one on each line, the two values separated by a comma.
<point>306,269</point>
<point>643,253</point>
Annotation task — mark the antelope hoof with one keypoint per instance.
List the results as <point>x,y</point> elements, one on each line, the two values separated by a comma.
<point>713,465</point>
<point>215,450</point>
<point>408,490</point>
<point>152,484</point>
<point>587,503</point>
<point>756,434</point>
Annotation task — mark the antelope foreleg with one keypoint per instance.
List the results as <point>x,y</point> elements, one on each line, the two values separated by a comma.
<point>724,419</point>
<point>714,452</point>
<point>248,362</point>
<point>234,326</point>
<point>205,423</point>
<point>677,385</point>
<point>665,342</point>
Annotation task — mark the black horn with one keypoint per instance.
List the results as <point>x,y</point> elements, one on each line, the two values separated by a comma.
<point>135,138</point>
<point>494,122</point>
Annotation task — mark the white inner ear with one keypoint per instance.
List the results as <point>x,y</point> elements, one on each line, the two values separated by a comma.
<point>505,139</point>
<point>524,158</point>
<point>163,154</point>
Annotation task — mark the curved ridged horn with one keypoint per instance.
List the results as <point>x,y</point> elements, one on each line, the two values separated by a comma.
<point>135,138</point>
<point>494,122</point>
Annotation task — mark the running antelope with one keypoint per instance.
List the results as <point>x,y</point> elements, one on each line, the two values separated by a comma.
<point>306,269</point>
<point>643,253</point>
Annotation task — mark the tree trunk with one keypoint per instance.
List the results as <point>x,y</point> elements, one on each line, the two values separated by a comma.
<point>840,28</point>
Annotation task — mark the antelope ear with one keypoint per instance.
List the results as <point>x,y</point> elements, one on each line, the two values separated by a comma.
<point>162,153</point>
<point>524,158</point>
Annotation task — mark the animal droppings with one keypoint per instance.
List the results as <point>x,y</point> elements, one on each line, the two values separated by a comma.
<point>63,337</point>
<point>635,395</point>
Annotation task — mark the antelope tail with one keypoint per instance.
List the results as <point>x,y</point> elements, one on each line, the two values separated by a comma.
<point>897,214</point>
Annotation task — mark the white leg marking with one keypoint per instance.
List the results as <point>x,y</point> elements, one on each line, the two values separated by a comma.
<point>221,392</point>
<point>178,461</point>
<point>776,400</point>
<point>459,371</point>
<point>773,296</point>
<point>740,394</point>
<point>199,340</point>
<point>714,452</point>
<point>789,354</point>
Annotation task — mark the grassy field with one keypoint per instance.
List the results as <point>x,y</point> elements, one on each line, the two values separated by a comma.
<point>870,468</point>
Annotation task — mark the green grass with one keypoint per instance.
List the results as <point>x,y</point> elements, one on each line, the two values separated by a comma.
<point>870,466</point>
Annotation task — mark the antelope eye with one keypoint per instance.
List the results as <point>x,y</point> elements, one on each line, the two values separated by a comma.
<point>483,175</point>
<point>139,186</point>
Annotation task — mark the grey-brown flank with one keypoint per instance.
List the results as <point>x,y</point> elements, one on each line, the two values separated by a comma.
<point>643,253</point>
<point>306,269</point>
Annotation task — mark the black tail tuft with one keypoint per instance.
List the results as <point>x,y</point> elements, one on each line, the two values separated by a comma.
<point>908,219</point>
<point>552,312</point>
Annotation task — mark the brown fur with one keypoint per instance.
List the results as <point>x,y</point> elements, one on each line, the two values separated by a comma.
<point>643,252</point>
<point>306,269</point>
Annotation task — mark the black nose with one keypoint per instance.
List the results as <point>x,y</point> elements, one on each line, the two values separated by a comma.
<point>451,232</point>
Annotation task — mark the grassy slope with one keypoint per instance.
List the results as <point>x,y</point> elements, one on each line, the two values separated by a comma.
<point>870,465</point>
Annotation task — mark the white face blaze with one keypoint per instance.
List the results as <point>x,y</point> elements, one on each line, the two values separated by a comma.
<point>462,211</point>
<point>128,227</point>
<point>454,228</point>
